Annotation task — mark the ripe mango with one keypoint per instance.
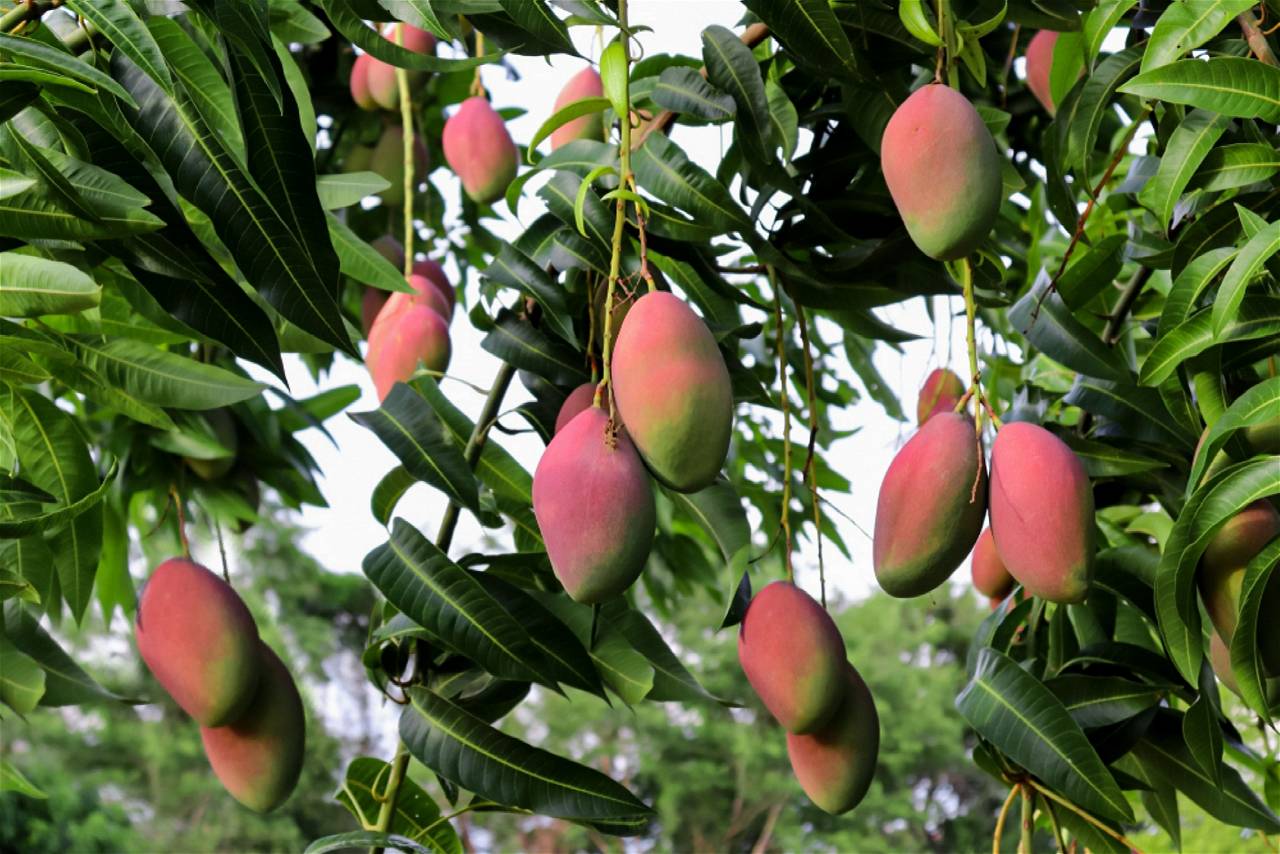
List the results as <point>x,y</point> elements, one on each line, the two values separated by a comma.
<point>928,514</point>
<point>1039,65</point>
<point>578,400</point>
<point>1220,659</point>
<point>585,84</point>
<point>478,148</point>
<point>943,171</point>
<point>258,757</point>
<point>594,506</point>
<point>989,575</point>
<point>371,302</point>
<point>941,392</point>
<point>1042,512</point>
<point>836,764</point>
<point>360,83</point>
<point>384,88</point>
<point>388,161</point>
<point>199,640</point>
<point>793,656</point>
<point>434,274</point>
<point>1221,576</point>
<point>673,391</point>
<point>406,333</point>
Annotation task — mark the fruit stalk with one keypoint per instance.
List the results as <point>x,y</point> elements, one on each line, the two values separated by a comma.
<point>1004,813</point>
<point>1049,795</point>
<point>410,138</point>
<point>620,217</point>
<point>444,538</point>
<point>1028,821</point>
<point>784,515</point>
<point>810,474</point>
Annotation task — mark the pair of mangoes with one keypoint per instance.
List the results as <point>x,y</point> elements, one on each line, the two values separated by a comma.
<point>201,643</point>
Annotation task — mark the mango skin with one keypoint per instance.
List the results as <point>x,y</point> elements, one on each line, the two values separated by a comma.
<point>793,656</point>
<point>943,171</point>
<point>258,758</point>
<point>199,641</point>
<point>388,161</point>
<point>585,84</point>
<point>1221,577</point>
<point>1264,438</point>
<point>405,334</point>
<point>360,83</point>
<point>1039,66</point>
<point>941,392</point>
<point>1042,513</point>
<point>384,88</point>
<point>578,400</point>
<point>989,575</point>
<point>928,516</point>
<point>434,274</point>
<point>836,764</point>
<point>595,507</point>
<point>1220,659</point>
<point>677,408</point>
<point>478,148</point>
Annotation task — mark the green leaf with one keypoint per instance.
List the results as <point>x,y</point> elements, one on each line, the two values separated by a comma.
<point>1013,710</point>
<point>162,378</point>
<point>683,90</point>
<point>12,183</point>
<point>1164,754</point>
<point>416,815</point>
<point>117,21</point>
<point>13,780</point>
<point>53,456</point>
<point>1258,405</point>
<point>36,54</point>
<point>719,511</point>
<point>514,269</point>
<point>662,168</point>
<point>1064,339</point>
<point>1096,701</point>
<point>22,525</point>
<point>1183,27</point>
<point>34,286</point>
<point>627,673</point>
<point>1238,165</point>
<point>408,427</point>
<point>360,261</point>
<point>614,75</point>
<point>1234,86</point>
<point>475,756</point>
<point>917,22</point>
<point>1092,272</point>
<point>387,494</point>
<point>210,95</point>
<point>573,110</point>
<point>1100,21</point>
<point>367,840</point>
<point>732,67</point>
<point>1246,267</point>
<point>1081,118</point>
<point>672,682</point>
<point>349,24</point>
<point>21,679</point>
<point>810,32</point>
<point>345,190</point>
<point>1201,730</point>
<point>447,601</point>
<point>517,342</point>
<point>1256,317</point>
<point>1102,459</point>
<point>1246,656</point>
<point>1190,283</point>
<point>582,209</point>
<point>534,16</point>
<point>66,684</point>
<point>1183,154</point>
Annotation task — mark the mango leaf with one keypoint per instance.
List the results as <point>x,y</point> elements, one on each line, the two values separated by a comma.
<point>516,342</point>
<point>1100,21</point>
<point>732,67</point>
<point>1258,405</point>
<point>1200,728</point>
<point>21,679</point>
<point>22,525</point>
<point>1183,154</point>
<point>448,602</point>
<point>1183,27</point>
<point>672,681</point>
<point>534,16</point>
<point>514,269</point>
<point>360,261</point>
<point>13,780</point>
<point>1234,86</point>
<point>66,684</point>
<point>719,511</point>
<point>573,110</point>
<point>161,378</point>
<point>416,816</point>
<point>664,170</point>
<point>345,20</point>
<point>683,90</point>
<point>345,190</point>
<point>1064,339</point>
<point>1080,118</point>
<point>1014,711</point>
<point>407,425</point>
<point>1093,271</point>
<point>367,839</point>
<point>118,22</point>
<point>1095,701</point>
<point>1164,754</point>
<point>627,673</point>
<point>810,32</point>
<point>387,494</point>
<point>1237,165</point>
<point>1256,317</point>
<point>210,95</point>
<point>1246,267</point>
<point>1246,658</point>
<point>1190,283</point>
<point>35,54</point>
<point>464,749</point>
<point>34,286</point>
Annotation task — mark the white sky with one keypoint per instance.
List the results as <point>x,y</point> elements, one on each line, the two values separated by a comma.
<point>341,535</point>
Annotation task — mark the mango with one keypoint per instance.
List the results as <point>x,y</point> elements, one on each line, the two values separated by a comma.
<point>673,391</point>
<point>943,172</point>
<point>836,764</point>
<point>224,430</point>
<point>360,83</point>
<point>941,392</point>
<point>478,148</point>
<point>388,161</point>
<point>579,399</point>
<point>391,249</point>
<point>384,88</point>
<point>371,302</point>
<point>434,274</point>
<point>1042,512</point>
<point>258,757</point>
<point>406,333</point>
<point>1039,65</point>
<point>793,656</point>
<point>1221,577</point>
<point>199,641</point>
<point>585,84</point>
<point>928,514</point>
<point>989,575</point>
<point>594,507</point>
<point>1220,659</point>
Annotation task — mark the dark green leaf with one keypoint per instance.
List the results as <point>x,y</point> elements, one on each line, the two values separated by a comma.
<point>416,815</point>
<point>1234,86</point>
<point>1063,338</point>
<point>683,90</point>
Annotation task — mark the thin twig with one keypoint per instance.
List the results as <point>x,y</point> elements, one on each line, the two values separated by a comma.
<point>1004,813</point>
<point>182,522</point>
<point>785,519</point>
<point>1256,38</point>
<point>1084,815</point>
<point>810,464</point>
<point>1128,297</point>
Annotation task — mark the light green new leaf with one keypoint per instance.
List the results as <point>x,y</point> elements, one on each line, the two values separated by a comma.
<point>12,183</point>
<point>573,110</point>
<point>1187,148</point>
<point>1100,21</point>
<point>32,286</point>
<point>21,679</point>
<point>342,191</point>
<point>1231,85</point>
<point>1247,266</point>
<point>161,378</point>
<point>1184,25</point>
<point>13,780</point>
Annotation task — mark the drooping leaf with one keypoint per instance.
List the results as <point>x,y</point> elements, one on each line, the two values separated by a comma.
<point>1256,317</point>
<point>35,286</point>
<point>1231,85</point>
<point>66,684</point>
<point>162,378</point>
<point>1062,337</point>
<point>1183,27</point>
<point>683,90</point>
<point>1248,264</point>
<point>1185,151</point>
